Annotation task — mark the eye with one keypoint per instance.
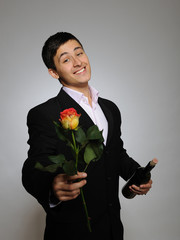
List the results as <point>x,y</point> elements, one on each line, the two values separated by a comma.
<point>80,53</point>
<point>66,60</point>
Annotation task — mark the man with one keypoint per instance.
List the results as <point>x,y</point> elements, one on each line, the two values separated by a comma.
<point>66,60</point>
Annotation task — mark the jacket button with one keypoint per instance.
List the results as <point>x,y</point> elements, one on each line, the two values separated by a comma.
<point>106,150</point>
<point>110,204</point>
<point>108,178</point>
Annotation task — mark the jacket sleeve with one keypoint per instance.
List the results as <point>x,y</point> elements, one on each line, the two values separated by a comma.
<point>42,142</point>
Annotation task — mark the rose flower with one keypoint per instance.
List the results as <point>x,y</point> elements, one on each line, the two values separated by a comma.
<point>69,118</point>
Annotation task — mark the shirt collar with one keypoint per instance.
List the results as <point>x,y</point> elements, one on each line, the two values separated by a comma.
<point>77,96</point>
<point>94,94</point>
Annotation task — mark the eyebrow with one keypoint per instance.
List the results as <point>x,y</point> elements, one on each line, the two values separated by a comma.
<point>64,53</point>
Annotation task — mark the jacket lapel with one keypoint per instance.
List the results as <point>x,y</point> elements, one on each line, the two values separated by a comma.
<point>65,101</point>
<point>109,118</point>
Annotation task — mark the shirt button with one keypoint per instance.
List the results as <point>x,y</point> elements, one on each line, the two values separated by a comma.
<point>110,204</point>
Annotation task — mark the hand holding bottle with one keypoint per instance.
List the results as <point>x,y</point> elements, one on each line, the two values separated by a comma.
<point>142,189</point>
<point>140,182</point>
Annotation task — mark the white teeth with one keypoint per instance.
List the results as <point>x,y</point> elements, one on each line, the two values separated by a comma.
<point>80,71</point>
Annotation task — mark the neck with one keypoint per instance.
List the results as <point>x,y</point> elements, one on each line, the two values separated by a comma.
<point>84,90</point>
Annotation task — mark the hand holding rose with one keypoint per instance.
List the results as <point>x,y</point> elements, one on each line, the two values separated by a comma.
<point>66,187</point>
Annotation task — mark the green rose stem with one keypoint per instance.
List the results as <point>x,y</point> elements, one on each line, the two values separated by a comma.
<point>81,190</point>
<point>86,211</point>
<point>75,149</point>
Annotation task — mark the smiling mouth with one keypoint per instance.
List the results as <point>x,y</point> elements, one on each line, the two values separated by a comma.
<point>80,71</point>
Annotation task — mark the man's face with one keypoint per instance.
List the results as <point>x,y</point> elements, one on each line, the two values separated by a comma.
<point>72,65</point>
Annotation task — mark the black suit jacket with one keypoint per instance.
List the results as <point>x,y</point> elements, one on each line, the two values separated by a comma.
<point>102,188</point>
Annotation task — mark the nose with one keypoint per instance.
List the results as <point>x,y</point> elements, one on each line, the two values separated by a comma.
<point>76,62</point>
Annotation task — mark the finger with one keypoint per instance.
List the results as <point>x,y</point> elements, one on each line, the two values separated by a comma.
<point>137,190</point>
<point>74,186</point>
<point>147,185</point>
<point>69,179</point>
<point>134,189</point>
<point>60,193</point>
<point>79,175</point>
<point>64,186</point>
<point>67,198</point>
<point>60,178</point>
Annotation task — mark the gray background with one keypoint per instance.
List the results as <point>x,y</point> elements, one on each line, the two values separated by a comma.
<point>134,49</point>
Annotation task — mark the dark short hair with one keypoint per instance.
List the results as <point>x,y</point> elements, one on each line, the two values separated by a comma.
<point>52,44</point>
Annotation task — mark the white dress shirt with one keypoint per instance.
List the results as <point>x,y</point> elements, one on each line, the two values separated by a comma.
<point>95,112</point>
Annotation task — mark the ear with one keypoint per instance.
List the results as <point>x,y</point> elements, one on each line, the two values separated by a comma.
<point>53,73</point>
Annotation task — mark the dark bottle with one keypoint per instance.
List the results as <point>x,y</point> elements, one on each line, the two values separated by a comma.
<point>142,175</point>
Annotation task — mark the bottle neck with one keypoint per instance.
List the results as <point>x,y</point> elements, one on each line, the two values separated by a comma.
<point>149,167</point>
